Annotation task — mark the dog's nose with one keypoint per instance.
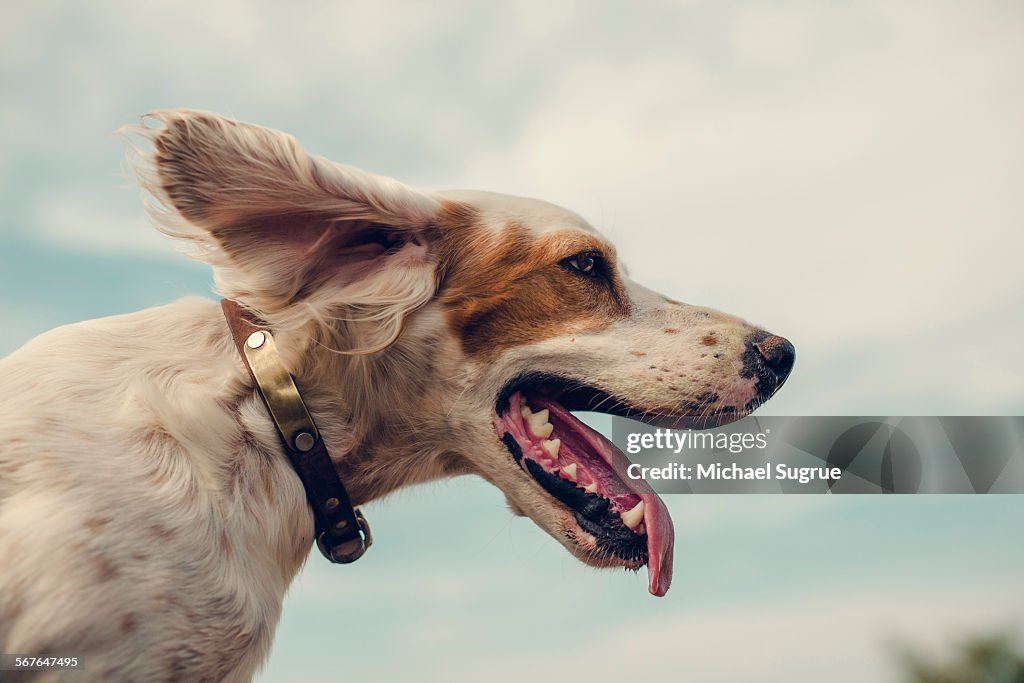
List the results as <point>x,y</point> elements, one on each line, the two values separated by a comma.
<point>770,358</point>
<point>778,354</point>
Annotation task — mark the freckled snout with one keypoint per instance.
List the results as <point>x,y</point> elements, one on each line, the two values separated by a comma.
<point>769,357</point>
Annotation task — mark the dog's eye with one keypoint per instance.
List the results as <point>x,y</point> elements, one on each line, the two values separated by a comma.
<point>587,263</point>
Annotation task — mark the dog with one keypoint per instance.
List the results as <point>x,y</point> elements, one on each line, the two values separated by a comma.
<point>150,521</point>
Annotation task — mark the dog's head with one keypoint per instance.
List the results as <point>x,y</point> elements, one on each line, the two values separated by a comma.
<point>475,324</point>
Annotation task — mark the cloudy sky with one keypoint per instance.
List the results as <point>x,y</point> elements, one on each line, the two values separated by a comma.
<point>848,175</point>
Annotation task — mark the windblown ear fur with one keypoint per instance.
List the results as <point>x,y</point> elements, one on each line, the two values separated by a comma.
<point>285,231</point>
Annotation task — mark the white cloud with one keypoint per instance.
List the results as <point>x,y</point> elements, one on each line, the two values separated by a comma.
<point>848,171</point>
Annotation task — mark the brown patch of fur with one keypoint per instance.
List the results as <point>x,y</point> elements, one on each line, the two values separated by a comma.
<point>638,354</point>
<point>96,523</point>
<point>505,288</point>
<point>671,330</point>
<point>709,340</point>
<point>128,624</point>
<point>105,569</point>
<point>268,483</point>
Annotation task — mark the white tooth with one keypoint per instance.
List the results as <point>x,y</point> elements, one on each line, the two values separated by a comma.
<point>570,471</point>
<point>525,410</point>
<point>591,487</point>
<point>544,430</point>
<point>522,400</point>
<point>539,424</point>
<point>552,447</point>
<point>632,518</point>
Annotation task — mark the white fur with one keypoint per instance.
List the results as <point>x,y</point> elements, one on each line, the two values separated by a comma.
<point>149,521</point>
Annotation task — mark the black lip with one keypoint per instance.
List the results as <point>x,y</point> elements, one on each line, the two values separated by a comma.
<point>616,538</point>
<point>542,382</point>
<point>575,395</point>
<point>593,512</point>
<point>592,506</point>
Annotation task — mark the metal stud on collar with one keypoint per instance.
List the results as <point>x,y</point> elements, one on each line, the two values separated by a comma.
<point>256,340</point>
<point>280,393</point>
<point>304,442</point>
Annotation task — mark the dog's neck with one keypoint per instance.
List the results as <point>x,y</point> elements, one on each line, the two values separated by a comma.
<point>381,415</point>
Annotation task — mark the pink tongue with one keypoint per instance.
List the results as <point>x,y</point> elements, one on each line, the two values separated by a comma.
<point>660,538</point>
<point>660,534</point>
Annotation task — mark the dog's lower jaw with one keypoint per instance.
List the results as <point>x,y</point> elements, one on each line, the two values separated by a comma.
<point>584,546</point>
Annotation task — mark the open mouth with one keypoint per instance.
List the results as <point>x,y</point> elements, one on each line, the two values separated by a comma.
<point>585,472</point>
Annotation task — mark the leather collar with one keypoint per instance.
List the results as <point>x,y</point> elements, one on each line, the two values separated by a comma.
<point>342,533</point>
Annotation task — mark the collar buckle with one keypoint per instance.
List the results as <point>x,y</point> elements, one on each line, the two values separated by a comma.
<point>349,550</point>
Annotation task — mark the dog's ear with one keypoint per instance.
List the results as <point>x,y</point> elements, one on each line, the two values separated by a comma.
<point>280,226</point>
